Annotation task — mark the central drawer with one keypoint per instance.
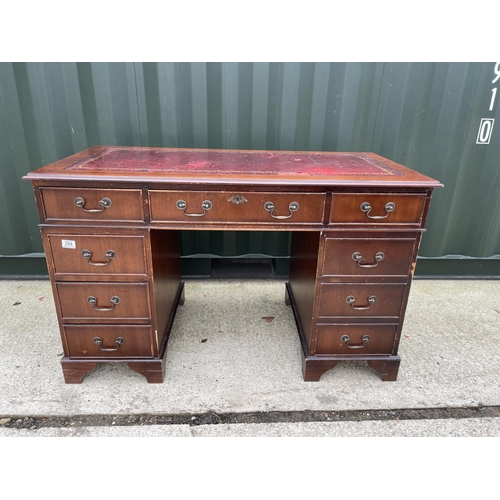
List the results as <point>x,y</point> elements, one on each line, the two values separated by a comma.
<point>104,301</point>
<point>235,207</point>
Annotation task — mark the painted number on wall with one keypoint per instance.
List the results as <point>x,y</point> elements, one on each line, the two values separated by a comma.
<point>485,129</point>
<point>486,125</point>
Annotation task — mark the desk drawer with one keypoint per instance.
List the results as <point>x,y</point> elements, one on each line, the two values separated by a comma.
<point>97,254</point>
<point>234,207</point>
<point>92,204</point>
<point>113,341</point>
<point>355,339</point>
<point>104,301</point>
<point>359,208</point>
<point>358,300</point>
<point>368,257</point>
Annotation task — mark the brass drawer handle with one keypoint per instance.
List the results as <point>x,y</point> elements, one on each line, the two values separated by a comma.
<point>269,207</point>
<point>346,339</point>
<point>371,300</point>
<point>379,257</point>
<point>87,254</point>
<point>119,342</point>
<point>114,301</point>
<point>105,203</point>
<point>205,206</point>
<point>366,207</point>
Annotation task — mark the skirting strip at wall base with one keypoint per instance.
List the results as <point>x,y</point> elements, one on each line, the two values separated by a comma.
<point>33,266</point>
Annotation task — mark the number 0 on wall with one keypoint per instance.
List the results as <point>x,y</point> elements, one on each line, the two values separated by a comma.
<point>485,130</point>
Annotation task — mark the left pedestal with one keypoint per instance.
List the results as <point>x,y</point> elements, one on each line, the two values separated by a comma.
<point>116,296</point>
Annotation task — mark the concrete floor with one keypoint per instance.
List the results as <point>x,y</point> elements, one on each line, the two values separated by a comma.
<point>450,350</point>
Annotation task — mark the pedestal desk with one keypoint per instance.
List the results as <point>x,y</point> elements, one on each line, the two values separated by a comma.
<point>110,219</point>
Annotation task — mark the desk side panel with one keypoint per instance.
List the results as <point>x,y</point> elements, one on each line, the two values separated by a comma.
<point>303,272</point>
<point>165,257</point>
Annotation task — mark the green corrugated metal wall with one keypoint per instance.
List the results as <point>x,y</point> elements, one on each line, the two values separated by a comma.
<point>424,115</point>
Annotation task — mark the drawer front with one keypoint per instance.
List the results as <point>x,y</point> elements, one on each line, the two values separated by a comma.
<point>271,208</point>
<point>104,301</point>
<point>92,204</point>
<point>97,254</point>
<point>370,208</point>
<point>356,340</point>
<point>357,300</point>
<point>367,257</point>
<point>113,341</point>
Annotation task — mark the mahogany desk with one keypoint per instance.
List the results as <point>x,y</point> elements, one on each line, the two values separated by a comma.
<point>110,219</point>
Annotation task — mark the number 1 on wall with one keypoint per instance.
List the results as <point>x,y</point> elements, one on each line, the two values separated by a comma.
<point>493,97</point>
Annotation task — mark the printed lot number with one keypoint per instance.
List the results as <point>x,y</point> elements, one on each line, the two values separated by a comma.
<point>68,243</point>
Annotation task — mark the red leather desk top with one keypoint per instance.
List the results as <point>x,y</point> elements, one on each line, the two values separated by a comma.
<point>231,162</point>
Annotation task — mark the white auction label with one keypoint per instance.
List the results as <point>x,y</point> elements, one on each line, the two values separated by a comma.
<point>68,243</point>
